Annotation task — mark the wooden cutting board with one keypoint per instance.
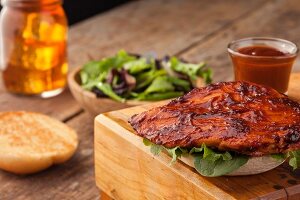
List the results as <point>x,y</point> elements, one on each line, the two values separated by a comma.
<point>125,168</point>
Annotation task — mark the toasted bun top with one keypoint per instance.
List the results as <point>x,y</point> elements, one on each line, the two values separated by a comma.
<point>30,142</point>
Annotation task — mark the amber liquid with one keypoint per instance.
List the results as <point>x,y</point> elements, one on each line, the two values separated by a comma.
<point>36,62</point>
<point>261,51</point>
<point>264,65</point>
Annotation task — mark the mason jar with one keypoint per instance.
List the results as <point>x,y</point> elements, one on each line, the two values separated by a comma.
<point>33,39</point>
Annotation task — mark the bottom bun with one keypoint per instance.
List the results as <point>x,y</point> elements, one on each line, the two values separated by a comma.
<point>255,165</point>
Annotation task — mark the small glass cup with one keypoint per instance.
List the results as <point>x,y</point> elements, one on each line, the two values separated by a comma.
<point>271,70</point>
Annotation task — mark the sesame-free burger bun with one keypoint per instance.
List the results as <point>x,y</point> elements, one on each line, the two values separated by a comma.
<point>31,142</point>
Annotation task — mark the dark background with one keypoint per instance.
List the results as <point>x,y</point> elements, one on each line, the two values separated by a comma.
<point>77,10</point>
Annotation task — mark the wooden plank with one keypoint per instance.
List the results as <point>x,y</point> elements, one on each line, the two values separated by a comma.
<point>275,19</point>
<point>276,195</point>
<point>71,180</point>
<point>131,174</point>
<point>138,174</point>
<point>293,192</point>
<point>149,26</point>
<point>160,26</point>
<point>61,107</point>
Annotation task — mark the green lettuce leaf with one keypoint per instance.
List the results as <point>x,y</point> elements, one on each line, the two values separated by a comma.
<point>137,66</point>
<point>218,167</point>
<point>144,79</point>
<point>160,84</point>
<point>147,142</point>
<point>152,81</point>
<point>294,159</point>
<point>183,84</point>
<point>120,59</point>
<point>192,70</point>
<point>161,88</point>
<point>84,77</point>
<point>106,89</point>
<point>98,70</point>
<point>176,152</point>
<point>210,163</point>
<point>206,161</point>
<point>156,149</point>
<point>209,154</point>
<point>279,156</point>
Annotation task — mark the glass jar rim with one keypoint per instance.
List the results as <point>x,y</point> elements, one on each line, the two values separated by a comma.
<point>271,39</point>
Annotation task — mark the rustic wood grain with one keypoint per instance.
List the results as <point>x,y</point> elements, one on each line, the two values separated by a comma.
<point>275,19</point>
<point>60,107</point>
<point>293,192</point>
<point>138,174</point>
<point>71,180</point>
<point>276,195</point>
<point>166,27</point>
<point>160,26</point>
<point>138,27</point>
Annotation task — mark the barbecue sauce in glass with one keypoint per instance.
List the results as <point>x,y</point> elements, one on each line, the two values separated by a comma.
<point>261,51</point>
<point>264,65</point>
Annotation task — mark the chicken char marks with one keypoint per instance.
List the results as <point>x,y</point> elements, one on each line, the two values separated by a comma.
<point>236,116</point>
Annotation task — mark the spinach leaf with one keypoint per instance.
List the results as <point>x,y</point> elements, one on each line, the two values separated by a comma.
<point>106,89</point>
<point>137,66</point>
<point>91,70</point>
<point>160,88</point>
<point>121,58</point>
<point>160,84</point>
<point>145,78</point>
<point>90,84</point>
<point>151,81</point>
<point>94,69</point>
<point>191,70</point>
<point>206,74</point>
<point>185,85</point>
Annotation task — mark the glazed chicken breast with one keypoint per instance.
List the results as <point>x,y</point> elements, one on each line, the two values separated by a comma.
<point>229,116</point>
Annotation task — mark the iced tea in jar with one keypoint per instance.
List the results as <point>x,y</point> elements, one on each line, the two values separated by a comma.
<point>33,47</point>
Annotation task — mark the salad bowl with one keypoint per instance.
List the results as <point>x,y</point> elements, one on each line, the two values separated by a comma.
<point>90,102</point>
<point>126,80</point>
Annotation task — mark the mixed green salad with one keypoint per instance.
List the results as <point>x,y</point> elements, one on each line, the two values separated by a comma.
<point>126,76</point>
<point>211,163</point>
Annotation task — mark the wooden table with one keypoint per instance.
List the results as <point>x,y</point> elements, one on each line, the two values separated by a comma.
<point>193,30</point>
